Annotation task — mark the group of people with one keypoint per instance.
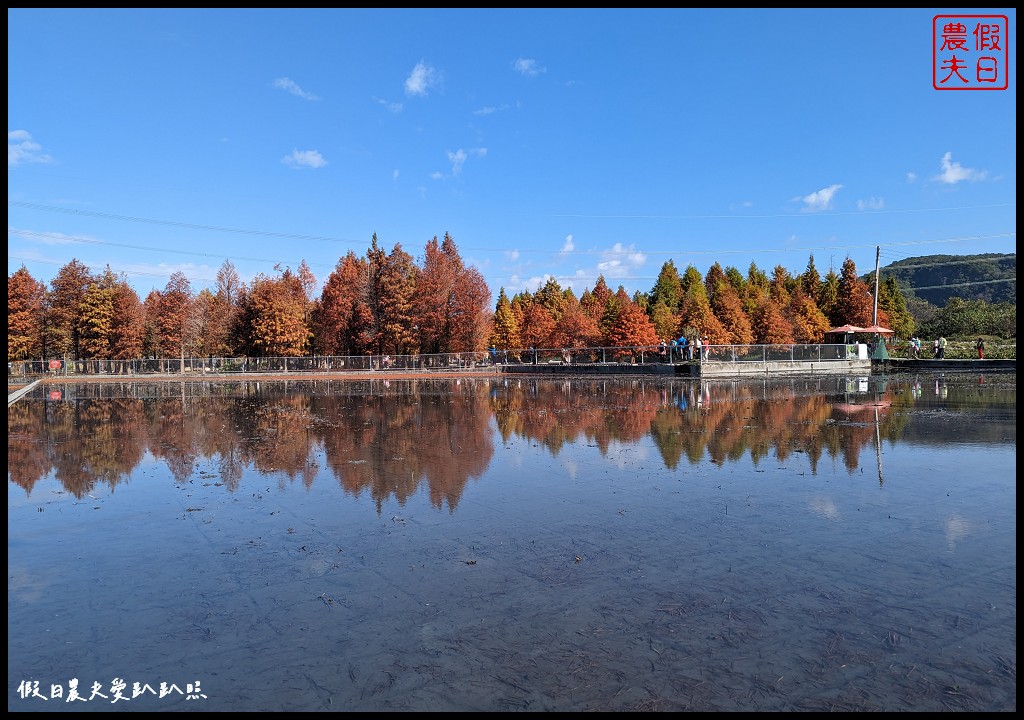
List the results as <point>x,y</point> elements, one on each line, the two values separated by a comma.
<point>939,348</point>
<point>690,350</point>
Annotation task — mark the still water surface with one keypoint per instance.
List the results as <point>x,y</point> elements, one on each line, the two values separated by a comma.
<point>520,544</point>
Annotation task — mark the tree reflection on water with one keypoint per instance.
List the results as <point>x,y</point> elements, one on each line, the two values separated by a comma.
<point>389,438</point>
<point>521,544</point>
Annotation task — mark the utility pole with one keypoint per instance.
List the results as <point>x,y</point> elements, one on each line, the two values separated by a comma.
<point>874,310</point>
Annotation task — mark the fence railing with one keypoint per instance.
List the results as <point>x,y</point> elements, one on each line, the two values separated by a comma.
<point>636,355</point>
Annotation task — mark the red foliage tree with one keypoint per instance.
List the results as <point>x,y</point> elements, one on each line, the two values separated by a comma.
<point>174,322</point>
<point>225,333</point>
<point>855,304</point>
<point>595,301</point>
<point>343,311</point>
<point>452,301</point>
<point>391,292</point>
<point>537,326</point>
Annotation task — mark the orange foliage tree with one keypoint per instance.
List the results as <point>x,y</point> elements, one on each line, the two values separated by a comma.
<point>505,333</point>
<point>537,325</point>
<point>727,306</point>
<point>695,311</point>
<point>26,298</point>
<point>574,328</point>
<point>770,324</point>
<point>127,327</point>
<point>628,325</point>
<point>277,316</point>
<point>807,320</point>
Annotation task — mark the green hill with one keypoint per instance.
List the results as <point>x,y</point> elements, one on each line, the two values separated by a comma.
<point>937,278</point>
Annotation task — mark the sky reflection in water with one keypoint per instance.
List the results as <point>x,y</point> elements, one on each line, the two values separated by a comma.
<point>536,544</point>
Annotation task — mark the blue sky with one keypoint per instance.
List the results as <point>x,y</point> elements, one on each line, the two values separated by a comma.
<point>546,142</point>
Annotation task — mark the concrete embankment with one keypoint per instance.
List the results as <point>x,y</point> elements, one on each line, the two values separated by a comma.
<point>968,365</point>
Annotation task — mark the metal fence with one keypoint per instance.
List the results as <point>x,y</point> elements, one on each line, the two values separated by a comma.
<point>440,362</point>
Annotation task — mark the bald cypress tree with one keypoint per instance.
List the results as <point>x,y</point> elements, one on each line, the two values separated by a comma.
<point>854,303</point>
<point>26,299</point>
<point>505,334</point>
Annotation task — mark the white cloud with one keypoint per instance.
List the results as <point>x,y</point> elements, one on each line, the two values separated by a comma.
<point>911,177</point>
<point>304,159</point>
<point>571,468</point>
<point>820,200</point>
<point>394,174</point>
<point>487,110</point>
<point>289,85</point>
<point>527,67</point>
<point>957,528</point>
<point>459,157</point>
<point>954,172</point>
<point>21,149</point>
<point>871,204</point>
<point>437,175</point>
<point>620,261</point>
<point>394,107</point>
<point>537,282</point>
<point>422,78</point>
<point>568,246</point>
<point>745,205</point>
<point>619,264</point>
<point>825,507</point>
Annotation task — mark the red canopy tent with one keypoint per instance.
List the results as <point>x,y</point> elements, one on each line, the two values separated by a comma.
<point>876,330</point>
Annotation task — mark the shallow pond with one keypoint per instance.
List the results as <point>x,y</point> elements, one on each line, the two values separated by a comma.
<point>521,544</point>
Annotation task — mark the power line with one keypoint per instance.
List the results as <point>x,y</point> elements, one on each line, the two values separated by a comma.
<point>777,215</point>
<point>133,273</point>
<point>90,241</point>
<point>676,252</point>
<point>171,223</point>
<point>964,284</point>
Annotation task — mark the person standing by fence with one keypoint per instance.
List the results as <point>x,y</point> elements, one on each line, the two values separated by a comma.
<point>980,345</point>
<point>942,347</point>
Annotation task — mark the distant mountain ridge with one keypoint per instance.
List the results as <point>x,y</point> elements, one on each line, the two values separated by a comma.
<point>937,278</point>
